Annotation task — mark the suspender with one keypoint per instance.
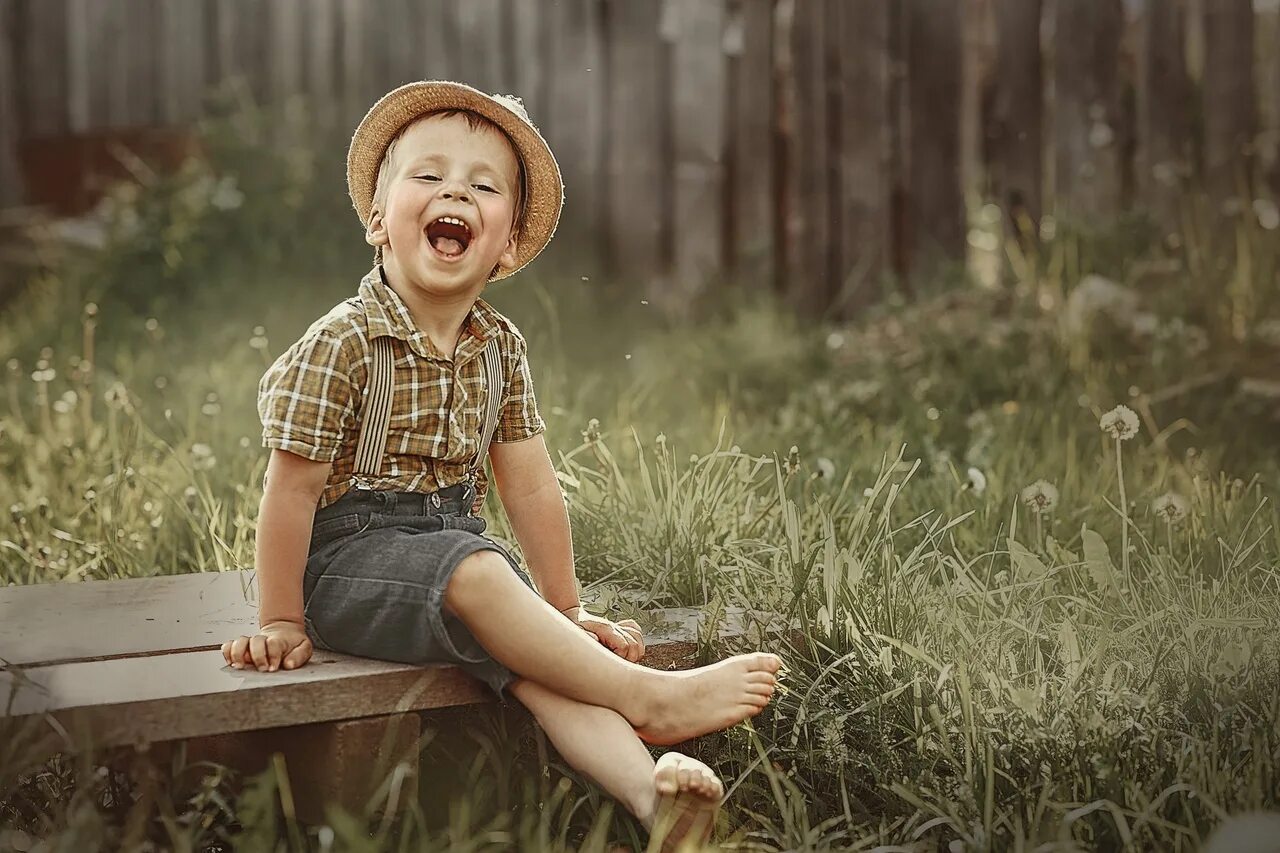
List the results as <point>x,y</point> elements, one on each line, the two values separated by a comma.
<point>376,411</point>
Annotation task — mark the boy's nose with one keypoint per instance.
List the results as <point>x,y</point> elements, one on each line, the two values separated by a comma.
<point>457,194</point>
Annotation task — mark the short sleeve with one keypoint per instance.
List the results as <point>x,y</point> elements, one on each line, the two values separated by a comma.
<point>519,418</point>
<point>306,400</point>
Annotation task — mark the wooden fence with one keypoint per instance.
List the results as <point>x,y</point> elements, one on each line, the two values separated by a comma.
<point>820,147</point>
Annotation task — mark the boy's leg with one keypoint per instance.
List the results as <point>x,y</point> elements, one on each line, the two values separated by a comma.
<point>526,634</point>
<point>600,744</point>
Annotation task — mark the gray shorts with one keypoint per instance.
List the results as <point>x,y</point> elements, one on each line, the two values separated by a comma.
<point>376,573</point>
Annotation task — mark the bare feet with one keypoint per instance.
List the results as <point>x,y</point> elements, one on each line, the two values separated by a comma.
<point>685,705</point>
<point>689,796</point>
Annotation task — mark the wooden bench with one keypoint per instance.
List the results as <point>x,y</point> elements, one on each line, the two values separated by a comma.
<point>134,667</point>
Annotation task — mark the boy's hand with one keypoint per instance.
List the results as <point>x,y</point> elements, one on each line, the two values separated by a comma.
<point>277,644</point>
<point>624,638</point>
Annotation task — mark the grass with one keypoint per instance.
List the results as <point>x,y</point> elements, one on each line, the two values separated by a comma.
<point>981,671</point>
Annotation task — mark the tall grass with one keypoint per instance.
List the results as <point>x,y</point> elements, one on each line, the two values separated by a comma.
<point>985,665</point>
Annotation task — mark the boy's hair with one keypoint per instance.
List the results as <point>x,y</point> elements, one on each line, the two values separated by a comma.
<point>475,121</point>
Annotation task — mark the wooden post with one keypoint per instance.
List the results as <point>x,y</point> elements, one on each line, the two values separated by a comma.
<point>573,124</point>
<point>11,189</point>
<point>1087,180</point>
<point>749,209</point>
<point>1229,109</point>
<point>638,179</point>
<point>698,72</point>
<point>322,47</point>
<point>1014,135</point>
<point>864,118</point>
<point>42,66</point>
<point>1163,166</point>
<point>181,63</point>
<point>808,220</point>
<point>935,204</point>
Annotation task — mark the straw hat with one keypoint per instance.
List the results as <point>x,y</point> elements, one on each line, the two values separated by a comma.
<point>543,188</point>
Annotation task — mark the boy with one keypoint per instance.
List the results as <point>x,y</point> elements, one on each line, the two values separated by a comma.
<point>378,419</point>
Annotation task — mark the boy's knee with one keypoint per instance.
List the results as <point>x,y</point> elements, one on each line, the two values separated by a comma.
<point>477,569</point>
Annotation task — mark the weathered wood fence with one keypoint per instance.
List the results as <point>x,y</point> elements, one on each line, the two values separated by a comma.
<point>817,146</point>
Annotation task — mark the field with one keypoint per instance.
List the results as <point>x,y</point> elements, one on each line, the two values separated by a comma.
<point>1034,620</point>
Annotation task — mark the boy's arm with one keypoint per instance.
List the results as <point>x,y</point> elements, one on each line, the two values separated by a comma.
<point>531,496</point>
<point>530,493</point>
<point>293,488</point>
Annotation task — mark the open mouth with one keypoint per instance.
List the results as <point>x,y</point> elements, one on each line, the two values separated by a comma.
<point>449,236</point>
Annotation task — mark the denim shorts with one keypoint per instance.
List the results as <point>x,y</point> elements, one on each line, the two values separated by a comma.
<point>376,573</point>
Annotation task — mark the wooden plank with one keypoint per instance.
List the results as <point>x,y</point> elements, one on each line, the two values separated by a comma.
<point>636,172</point>
<point>181,62</point>
<point>573,124</point>
<point>1013,133</point>
<point>531,37</point>
<point>285,33</point>
<point>42,66</point>
<point>12,192</point>
<point>935,212</point>
<point>140,41</point>
<point>1164,165</point>
<point>321,56</point>
<point>750,165</point>
<point>479,36</point>
<point>163,613</point>
<point>865,215</point>
<point>1230,117</point>
<point>357,81</point>
<point>1269,34</point>
<point>699,136</point>
<point>164,697</point>
<point>1086,110</point>
<point>807,149</point>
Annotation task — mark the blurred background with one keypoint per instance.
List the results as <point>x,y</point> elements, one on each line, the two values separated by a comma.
<point>950,328</point>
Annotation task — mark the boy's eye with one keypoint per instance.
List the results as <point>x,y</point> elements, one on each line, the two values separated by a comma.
<point>484,187</point>
<point>428,177</point>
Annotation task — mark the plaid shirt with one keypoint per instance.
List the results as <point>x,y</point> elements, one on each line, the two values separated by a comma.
<point>309,400</point>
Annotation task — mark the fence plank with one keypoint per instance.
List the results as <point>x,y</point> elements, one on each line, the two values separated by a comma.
<point>637,177</point>
<point>1229,110</point>
<point>181,62</point>
<point>698,143</point>
<point>357,78</point>
<point>1164,110</point>
<point>284,19</point>
<point>42,51</point>
<point>529,33</point>
<point>935,213</point>
<point>574,125</point>
<point>1087,178</point>
<point>864,154</point>
<point>322,60</point>
<point>478,24</point>
<point>1014,139</point>
<point>1269,34</point>
<point>803,127</point>
<point>750,168</point>
<point>11,183</point>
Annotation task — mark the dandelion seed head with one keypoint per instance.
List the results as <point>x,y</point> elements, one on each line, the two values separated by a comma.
<point>1171,507</point>
<point>151,325</point>
<point>932,413</point>
<point>977,481</point>
<point>825,467</point>
<point>1121,423</point>
<point>835,340</point>
<point>1041,496</point>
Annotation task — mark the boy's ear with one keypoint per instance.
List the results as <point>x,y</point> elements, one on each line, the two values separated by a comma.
<point>376,233</point>
<point>507,260</point>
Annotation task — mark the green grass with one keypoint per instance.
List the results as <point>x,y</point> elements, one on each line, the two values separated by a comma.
<point>975,675</point>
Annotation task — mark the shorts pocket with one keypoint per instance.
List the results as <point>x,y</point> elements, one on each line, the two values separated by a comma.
<point>340,525</point>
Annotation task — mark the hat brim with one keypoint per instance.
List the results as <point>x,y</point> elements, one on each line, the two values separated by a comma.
<point>543,191</point>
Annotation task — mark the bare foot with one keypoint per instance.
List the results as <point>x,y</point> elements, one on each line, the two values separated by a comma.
<point>688,704</point>
<point>689,795</point>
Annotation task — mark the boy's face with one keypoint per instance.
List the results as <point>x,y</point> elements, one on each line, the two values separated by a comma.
<point>444,170</point>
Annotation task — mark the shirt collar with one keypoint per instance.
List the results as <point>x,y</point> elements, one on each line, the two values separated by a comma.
<point>388,315</point>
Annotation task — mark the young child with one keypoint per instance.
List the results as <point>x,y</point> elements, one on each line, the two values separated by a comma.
<point>378,419</point>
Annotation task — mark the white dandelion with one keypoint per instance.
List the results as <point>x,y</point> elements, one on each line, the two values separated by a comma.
<point>1172,507</point>
<point>1041,496</point>
<point>977,481</point>
<point>1121,423</point>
